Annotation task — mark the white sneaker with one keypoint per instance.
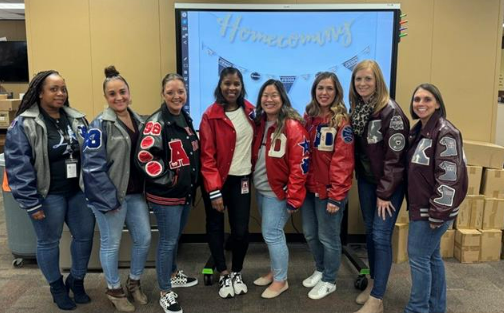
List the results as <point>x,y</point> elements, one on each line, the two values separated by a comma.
<point>239,286</point>
<point>169,303</point>
<point>313,279</point>
<point>226,287</point>
<point>321,289</point>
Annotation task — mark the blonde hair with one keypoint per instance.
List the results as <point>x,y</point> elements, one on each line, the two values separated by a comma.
<point>337,109</point>
<point>381,92</point>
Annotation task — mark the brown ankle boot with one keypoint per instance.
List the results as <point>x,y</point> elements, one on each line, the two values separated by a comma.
<point>134,289</point>
<point>372,305</point>
<point>119,300</point>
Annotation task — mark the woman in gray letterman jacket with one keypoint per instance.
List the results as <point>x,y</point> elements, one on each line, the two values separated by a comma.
<point>114,189</point>
<point>42,156</point>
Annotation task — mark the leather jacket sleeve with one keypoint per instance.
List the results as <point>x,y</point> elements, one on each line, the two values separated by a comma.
<point>98,187</point>
<point>211,176</point>
<point>450,174</point>
<point>151,153</point>
<point>20,170</point>
<point>298,145</point>
<point>395,129</point>
<point>342,163</point>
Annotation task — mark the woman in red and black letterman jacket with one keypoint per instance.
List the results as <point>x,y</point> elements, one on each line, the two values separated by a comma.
<point>226,134</point>
<point>281,157</point>
<point>329,179</point>
<point>437,185</point>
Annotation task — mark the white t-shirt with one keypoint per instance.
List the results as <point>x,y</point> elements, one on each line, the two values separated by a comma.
<point>241,164</point>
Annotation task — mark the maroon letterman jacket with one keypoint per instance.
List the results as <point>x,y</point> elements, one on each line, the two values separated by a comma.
<point>437,174</point>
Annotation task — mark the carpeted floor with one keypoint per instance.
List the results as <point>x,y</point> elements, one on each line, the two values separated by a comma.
<point>471,288</point>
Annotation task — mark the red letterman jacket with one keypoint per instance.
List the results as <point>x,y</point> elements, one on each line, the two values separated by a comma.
<point>332,158</point>
<point>287,160</point>
<point>217,140</point>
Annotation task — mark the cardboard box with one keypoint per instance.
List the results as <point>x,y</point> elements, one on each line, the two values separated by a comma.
<point>403,216</point>
<point>470,213</point>
<point>474,174</point>
<point>6,118</point>
<point>484,154</point>
<point>491,244</point>
<point>447,244</point>
<point>467,245</point>
<point>9,104</point>
<point>400,243</point>
<point>493,214</point>
<point>492,184</point>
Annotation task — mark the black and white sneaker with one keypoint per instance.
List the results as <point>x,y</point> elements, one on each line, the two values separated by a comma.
<point>169,303</point>
<point>239,286</point>
<point>182,280</point>
<point>226,287</point>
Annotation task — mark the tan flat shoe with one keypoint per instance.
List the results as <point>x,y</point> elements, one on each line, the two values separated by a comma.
<point>270,294</point>
<point>262,281</point>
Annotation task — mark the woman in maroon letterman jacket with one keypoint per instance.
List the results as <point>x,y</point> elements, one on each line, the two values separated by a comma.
<point>329,179</point>
<point>437,184</point>
<point>226,134</point>
<point>281,157</point>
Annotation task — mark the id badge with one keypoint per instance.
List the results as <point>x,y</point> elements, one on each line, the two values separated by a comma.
<point>71,168</point>
<point>245,188</point>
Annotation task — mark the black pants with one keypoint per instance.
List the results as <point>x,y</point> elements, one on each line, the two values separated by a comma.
<point>238,208</point>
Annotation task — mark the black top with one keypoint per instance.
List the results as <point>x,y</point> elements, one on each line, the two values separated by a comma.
<point>61,143</point>
<point>135,183</point>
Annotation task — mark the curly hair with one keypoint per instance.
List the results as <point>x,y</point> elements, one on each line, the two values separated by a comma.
<point>337,109</point>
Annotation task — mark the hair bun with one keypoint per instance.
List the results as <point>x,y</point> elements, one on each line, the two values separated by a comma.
<point>110,71</point>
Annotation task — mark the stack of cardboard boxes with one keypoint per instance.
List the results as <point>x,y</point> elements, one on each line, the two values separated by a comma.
<point>8,108</point>
<point>478,234</point>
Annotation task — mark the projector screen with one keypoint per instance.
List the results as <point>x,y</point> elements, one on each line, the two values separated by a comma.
<point>291,43</point>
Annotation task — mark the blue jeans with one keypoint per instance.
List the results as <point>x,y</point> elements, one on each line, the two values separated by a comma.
<point>428,290</point>
<point>171,221</point>
<point>135,213</point>
<point>322,233</point>
<point>274,216</point>
<point>71,210</point>
<point>378,234</point>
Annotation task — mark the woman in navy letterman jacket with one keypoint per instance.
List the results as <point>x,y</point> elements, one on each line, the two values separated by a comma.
<point>42,161</point>
<point>281,157</point>
<point>169,156</point>
<point>437,185</point>
<point>381,129</point>
<point>329,179</point>
<point>114,189</point>
<point>226,133</point>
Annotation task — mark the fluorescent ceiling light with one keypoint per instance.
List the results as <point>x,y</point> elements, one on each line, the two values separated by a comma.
<point>12,6</point>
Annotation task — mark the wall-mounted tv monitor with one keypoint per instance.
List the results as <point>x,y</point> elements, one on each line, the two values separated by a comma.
<point>291,43</point>
<point>13,62</point>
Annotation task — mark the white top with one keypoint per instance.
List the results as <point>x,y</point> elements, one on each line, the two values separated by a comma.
<point>241,164</point>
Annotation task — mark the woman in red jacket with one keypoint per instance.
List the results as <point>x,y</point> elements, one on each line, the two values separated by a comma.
<point>281,156</point>
<point>226,134</point>
<point>329,179</point>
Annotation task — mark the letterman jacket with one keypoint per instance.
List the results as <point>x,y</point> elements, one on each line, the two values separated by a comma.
<point>26,156</point>
<point>384,143</point>
<point>331,159</point>
<point>218,140</point>
<point>168,156</point>
<point>287,160</point>
<point>437,174</point>
<point>106,160</point>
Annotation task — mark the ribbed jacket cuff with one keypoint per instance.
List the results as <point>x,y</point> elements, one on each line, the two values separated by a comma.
<point>216,194</point>
<point>34,210</point>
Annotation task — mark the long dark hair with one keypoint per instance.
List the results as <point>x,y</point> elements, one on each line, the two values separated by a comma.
<point>219,97</point>
<point>435,92</point>
<point>31,96</point>
<point>286,112</point>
